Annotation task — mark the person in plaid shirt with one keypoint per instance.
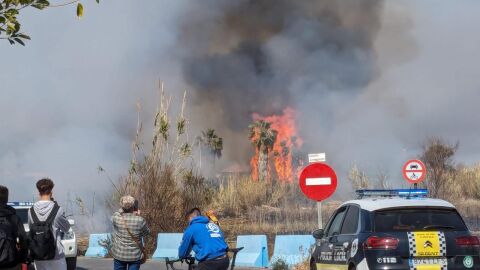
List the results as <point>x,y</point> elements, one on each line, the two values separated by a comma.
<point>129,229</point>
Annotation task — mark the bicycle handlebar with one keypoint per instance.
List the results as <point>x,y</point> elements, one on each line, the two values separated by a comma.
<point>234,250</point>
<point>170,263</point>
<point>191,260</point>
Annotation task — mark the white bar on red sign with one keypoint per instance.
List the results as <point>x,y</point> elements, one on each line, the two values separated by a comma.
<point>322,181</point>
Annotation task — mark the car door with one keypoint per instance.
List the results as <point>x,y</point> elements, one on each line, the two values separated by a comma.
<point>346,245</point>
<point>326,255</point>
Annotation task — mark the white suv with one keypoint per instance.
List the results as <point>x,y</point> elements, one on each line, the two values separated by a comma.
<point>68,239</point>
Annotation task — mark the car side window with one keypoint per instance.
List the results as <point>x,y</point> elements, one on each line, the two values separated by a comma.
<point>350,224</point>
<point>336,223</point>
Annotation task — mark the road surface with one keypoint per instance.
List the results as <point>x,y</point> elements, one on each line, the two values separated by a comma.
<point>107,264</point>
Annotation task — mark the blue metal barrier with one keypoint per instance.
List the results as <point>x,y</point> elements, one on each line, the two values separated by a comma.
<point>167,246</point>
<point>293,249</point>
<point>96,245</point>
<point>255,252</point>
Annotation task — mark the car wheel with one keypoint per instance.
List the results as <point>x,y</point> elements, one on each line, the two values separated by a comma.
<point>313,265</point>
<point>71,263</point>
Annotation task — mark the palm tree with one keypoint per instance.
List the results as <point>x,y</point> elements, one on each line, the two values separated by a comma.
<point>263,137</point>
<point>210,140</point>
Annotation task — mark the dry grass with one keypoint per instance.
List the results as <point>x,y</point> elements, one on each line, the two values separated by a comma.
<point>465,183</point>
<point>270,208</point>
<point>158,176</point>
<point>305,265</point>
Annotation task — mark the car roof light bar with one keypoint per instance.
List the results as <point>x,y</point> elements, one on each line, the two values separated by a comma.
<point>406,193</point>
<point>13,204</point>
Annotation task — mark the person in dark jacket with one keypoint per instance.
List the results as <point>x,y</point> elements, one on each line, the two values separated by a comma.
<point>8,214</point>
<point>206,239</point>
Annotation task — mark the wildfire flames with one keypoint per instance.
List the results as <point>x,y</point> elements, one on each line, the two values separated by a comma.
<point>286,139</point>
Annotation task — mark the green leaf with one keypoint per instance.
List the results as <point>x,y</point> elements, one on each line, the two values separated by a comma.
<point>24,36</point>
<point>41,4</point>
<point>20,41</point>
<point>17,27</point>
<point>98,1</point>
<point>79,10</point>
<point>11,41</point>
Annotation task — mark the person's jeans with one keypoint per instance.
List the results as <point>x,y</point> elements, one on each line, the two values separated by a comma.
<point>215,264</point>
<point>120,265</point>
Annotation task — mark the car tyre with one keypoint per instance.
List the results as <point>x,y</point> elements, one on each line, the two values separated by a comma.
<point>71,263</point>
<point>313,265</point>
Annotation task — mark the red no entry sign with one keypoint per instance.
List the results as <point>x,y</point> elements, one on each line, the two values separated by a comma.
<point>318,181</point>
<point>414,171</point>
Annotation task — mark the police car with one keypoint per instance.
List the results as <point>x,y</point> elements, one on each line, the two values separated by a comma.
<point>69,239</point>
<point>395,229</point>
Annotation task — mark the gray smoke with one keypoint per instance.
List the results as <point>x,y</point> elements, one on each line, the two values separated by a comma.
<point>262,56</point>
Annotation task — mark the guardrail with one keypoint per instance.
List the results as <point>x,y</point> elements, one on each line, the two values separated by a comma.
<point>293,249</point>
<point>96,245</point>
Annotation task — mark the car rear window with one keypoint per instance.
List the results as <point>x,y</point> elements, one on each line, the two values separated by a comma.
<point>412,219</point>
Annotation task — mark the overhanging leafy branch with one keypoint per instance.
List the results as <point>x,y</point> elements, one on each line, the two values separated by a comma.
<point>10,26</point>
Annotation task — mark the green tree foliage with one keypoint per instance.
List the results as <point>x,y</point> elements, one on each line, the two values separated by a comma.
<point>10,26</point>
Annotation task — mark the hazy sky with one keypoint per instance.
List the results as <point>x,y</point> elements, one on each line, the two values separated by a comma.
<point>67,99</point>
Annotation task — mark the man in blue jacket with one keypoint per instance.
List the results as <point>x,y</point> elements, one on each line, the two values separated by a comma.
<point>206,240</point>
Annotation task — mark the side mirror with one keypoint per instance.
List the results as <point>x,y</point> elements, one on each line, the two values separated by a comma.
<point>318,234</point>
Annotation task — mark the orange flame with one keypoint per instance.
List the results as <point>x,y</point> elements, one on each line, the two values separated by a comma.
<point>287,139</point>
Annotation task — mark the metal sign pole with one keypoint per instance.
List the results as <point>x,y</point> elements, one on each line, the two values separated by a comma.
<point>319,213</point>
<point>321,158</point>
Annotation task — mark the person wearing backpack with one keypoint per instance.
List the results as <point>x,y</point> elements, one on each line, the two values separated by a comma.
<point>47,222</point>
<point>13,249</point>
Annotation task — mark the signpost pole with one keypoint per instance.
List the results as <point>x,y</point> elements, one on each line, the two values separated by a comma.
<point>319,212</point>
<point>320,157</point>
<point>318,182</point>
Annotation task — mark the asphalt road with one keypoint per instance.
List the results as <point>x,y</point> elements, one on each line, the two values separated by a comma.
<point>107,264</point>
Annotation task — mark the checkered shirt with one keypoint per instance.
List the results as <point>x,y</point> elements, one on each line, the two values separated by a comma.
<point>124,247</point>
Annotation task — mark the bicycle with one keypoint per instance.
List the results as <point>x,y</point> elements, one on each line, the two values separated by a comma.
<point>191,260</point>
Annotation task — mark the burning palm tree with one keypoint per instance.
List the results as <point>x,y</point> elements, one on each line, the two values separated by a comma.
<point>263,137</point>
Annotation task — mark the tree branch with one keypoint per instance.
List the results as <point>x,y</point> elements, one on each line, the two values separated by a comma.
<point>64,4</point>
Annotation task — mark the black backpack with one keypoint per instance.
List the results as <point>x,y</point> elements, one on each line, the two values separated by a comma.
<point>8,247</point>
<point>42,244</point>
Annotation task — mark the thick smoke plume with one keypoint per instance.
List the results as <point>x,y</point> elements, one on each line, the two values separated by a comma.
<point>249,56</point>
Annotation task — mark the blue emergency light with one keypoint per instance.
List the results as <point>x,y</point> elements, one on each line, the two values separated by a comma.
<point>17,204</point>
<point>406,193</point>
